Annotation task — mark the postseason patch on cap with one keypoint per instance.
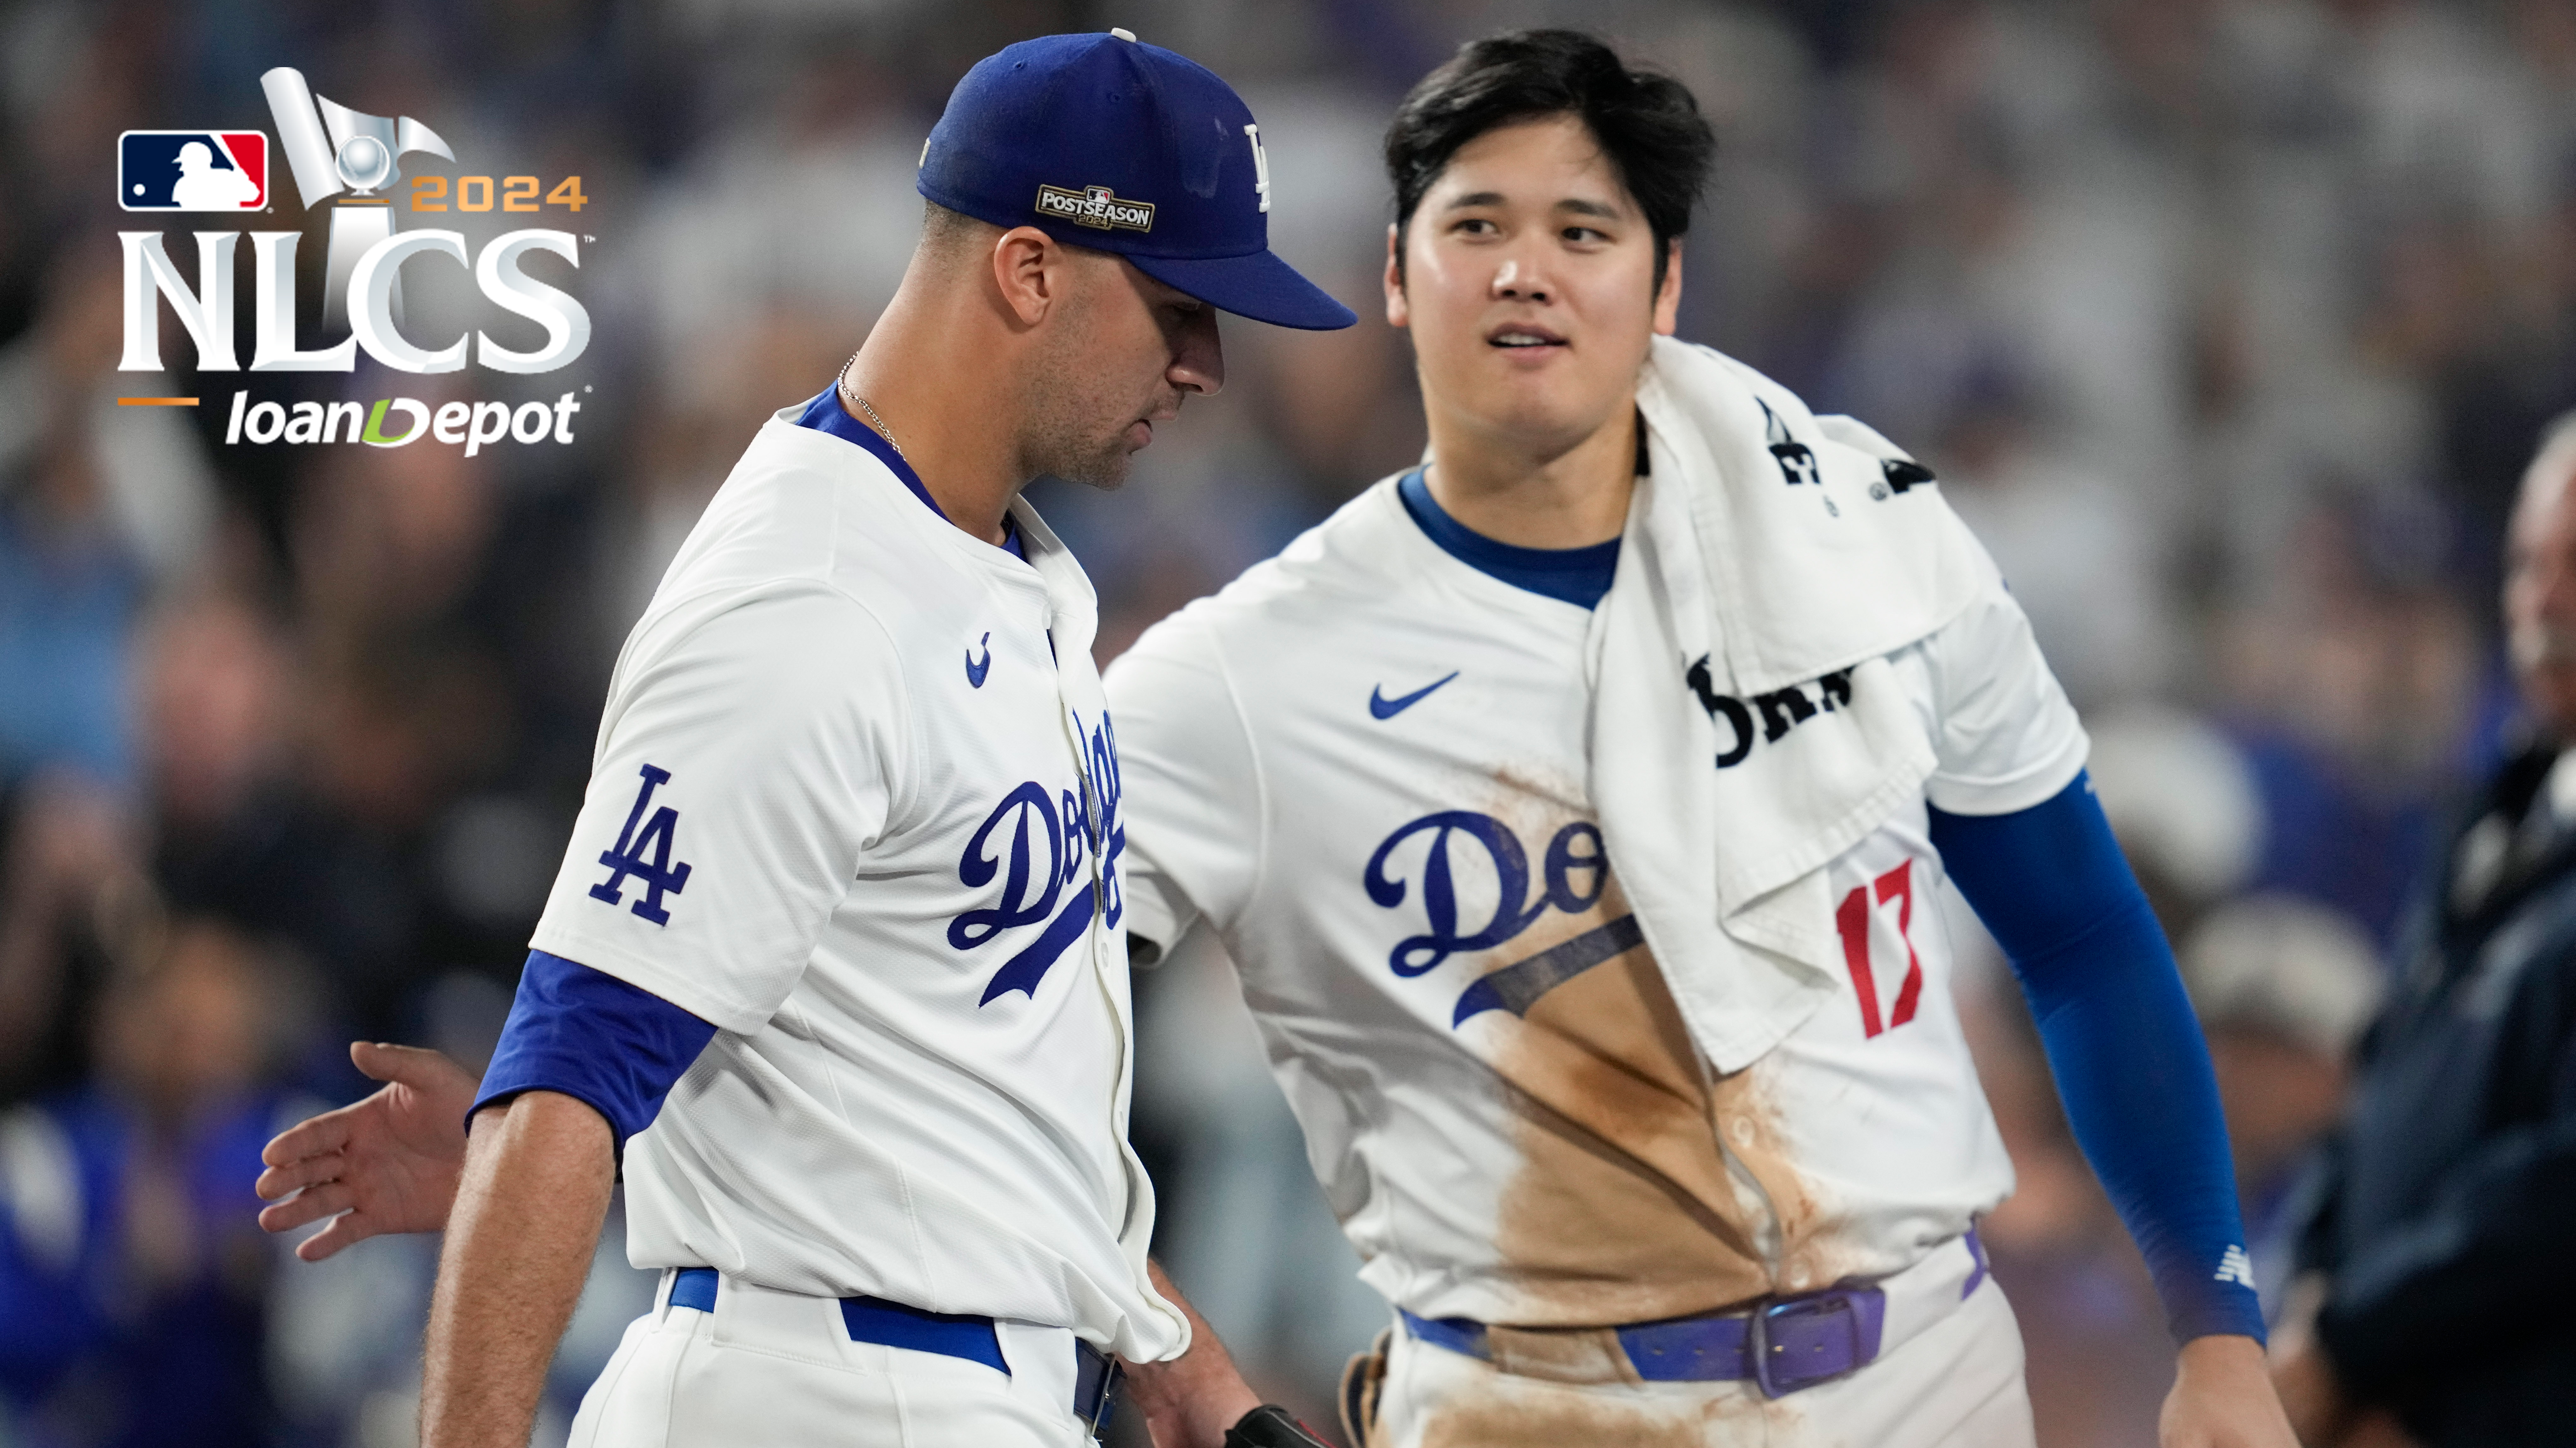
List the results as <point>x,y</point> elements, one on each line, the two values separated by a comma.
<point>1097,207</point>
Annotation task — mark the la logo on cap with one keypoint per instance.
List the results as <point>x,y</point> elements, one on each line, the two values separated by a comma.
<point>1097,207</point>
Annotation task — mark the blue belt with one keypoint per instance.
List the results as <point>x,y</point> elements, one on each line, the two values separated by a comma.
<point>1781,1345</point>
<point>1096,1374</point>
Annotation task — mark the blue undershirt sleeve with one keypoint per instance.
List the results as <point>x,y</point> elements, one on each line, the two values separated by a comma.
<point>2127,1053</point>
<point>595,1038</point>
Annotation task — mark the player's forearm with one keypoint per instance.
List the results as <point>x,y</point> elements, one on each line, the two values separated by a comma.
<point>1190,1401</point>
<point>2131,1067</point>
<point>537,1175</point>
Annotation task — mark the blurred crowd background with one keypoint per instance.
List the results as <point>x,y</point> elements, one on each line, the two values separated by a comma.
<point>2228,324</point>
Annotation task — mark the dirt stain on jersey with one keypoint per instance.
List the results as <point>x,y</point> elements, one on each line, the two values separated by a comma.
<point>1814,1251</point>
<point>1624,1209</point>
<point>1627,1207</point>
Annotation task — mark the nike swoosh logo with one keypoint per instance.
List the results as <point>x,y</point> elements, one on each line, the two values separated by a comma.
<point>976,668</point>
<point>1385,708</point>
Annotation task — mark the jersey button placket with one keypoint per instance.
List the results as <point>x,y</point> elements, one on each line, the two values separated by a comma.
<point>1099,934</point>
<point>1740,1130</point>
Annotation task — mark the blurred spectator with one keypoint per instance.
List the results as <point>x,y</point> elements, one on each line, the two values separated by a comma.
<point>129,1251</point>
<point>67,847</point>
<point>2435,1233</point>
<point>2082,561</point>
<point>2184,803</point>
<point>2354,679</point>
<point>93,504</point>
<point>2283,989</point>
<point>238,834</point>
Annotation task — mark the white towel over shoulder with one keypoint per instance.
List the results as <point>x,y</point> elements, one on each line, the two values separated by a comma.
<point>1745,731</point>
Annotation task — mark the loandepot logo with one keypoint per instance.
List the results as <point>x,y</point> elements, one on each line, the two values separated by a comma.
<point>473,424</point>
<point>352,161</point>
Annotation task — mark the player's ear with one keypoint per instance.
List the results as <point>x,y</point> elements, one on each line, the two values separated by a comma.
<point>1029,272</point>
<point>1397,313</point>
<point>1668,297</point>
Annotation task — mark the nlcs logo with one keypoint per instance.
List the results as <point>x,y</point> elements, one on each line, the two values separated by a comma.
<point>329,149</point>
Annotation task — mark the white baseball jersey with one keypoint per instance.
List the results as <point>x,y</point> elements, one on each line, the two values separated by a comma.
<point>855,802</point>
<point>1364,764</point>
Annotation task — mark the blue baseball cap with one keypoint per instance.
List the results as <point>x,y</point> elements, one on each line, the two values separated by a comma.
<point>1106,142</point>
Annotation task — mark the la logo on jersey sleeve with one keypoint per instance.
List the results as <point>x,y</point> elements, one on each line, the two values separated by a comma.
<point>627,859</point>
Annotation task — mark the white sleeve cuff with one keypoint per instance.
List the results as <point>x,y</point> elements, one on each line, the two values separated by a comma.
<point>2011,793</point>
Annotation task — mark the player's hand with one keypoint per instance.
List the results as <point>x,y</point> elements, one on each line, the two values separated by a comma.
<point>2222,1398</point>
<point>1194,1400</point>
<point>386,1164</point>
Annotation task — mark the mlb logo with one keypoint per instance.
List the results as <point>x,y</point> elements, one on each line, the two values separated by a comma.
<point>192,170</point>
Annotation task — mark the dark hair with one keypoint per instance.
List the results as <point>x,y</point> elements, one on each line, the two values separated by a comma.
<point>1649,125</point>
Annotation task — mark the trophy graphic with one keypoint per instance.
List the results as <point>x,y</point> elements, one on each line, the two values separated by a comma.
<point>361,154</point>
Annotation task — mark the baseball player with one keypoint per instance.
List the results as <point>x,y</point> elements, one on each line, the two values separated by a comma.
<point>1573,807</point>
<point>835,964</point>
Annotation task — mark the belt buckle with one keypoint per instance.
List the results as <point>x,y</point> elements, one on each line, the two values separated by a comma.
<point>1758,1330</point>
<point>1112,1374</point>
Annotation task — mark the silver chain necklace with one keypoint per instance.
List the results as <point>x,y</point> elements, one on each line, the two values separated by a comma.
<point>843,382</point>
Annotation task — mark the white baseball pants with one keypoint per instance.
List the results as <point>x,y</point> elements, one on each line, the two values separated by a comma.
<point>777,1368</point>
